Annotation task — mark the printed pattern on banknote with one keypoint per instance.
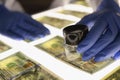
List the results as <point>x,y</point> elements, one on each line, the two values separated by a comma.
<point>55,47</point>
<point>55,22</point>
<point>114,75</point>
<point>81,2</point>
<point>3,47</point>
<point>20,67</point>
<point>74,13</point>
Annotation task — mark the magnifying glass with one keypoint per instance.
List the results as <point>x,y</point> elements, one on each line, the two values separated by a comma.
<point>73,35</point>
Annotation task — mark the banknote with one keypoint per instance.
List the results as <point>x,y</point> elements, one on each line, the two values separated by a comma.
<point>55,47</point>
<point>20,67</point>
<point>81,2</point>
<point>74,13</point>
<point>114,75</point>
<point>55,22</point>
<point>3,47</point>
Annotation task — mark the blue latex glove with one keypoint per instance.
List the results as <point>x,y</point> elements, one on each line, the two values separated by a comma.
<point>103,40</point>
<point>20,26</point>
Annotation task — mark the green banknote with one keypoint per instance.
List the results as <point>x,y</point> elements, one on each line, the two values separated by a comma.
<point>114,75</point>
<point>55,22</point>
<point>74,13</point>
<point>55,47</point>
<point>3,47</point>
<point>81,2</point>
<point>19,67</point>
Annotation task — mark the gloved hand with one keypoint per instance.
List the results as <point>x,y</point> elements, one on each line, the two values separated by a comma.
<point>103,40</point>
<point>20,26</point>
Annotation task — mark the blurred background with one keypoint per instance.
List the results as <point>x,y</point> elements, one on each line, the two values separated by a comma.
<point>34,6</point>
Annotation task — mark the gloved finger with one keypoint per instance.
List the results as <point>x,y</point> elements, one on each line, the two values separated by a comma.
<point>37,25</point>
<point>25,34</point>
<point>117,20</point>
<point>109,51</point>
<point>32,29</point>
<point>13,35</point>
<point>92,36</point>
<point>104,39</point>
<point>89,20</point>
<point>116,56</point>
